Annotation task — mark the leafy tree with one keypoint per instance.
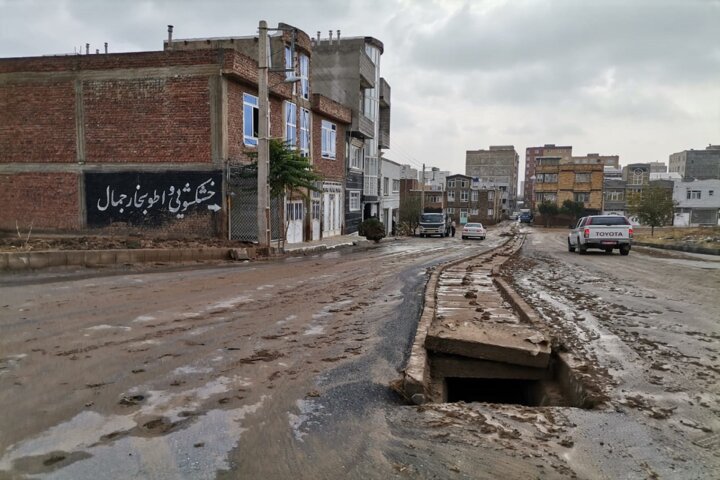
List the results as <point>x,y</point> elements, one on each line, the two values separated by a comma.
<point>289,173</point>
<point>410,213</point>
<point>653,206</point>
<point>548,210</point>
<point>573,209</point>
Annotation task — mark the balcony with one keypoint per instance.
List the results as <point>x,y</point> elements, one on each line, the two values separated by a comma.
<point>384,93</point>
<point>384,128</point>
<point>362,127</point>
<point>367,71</point>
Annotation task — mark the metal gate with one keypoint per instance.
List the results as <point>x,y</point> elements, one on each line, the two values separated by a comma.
<point>242,191</point>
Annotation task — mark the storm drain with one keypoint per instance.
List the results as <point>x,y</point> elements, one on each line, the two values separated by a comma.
<point>460,379</point>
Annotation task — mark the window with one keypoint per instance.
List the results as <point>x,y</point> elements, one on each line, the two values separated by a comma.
<point>356,156</point>
<point>294,211</point>
<point>386,186</point>
<point>490,212</point>
<point>546,197</point>
<point>315,205</point>
<point>463,183</point>
<point>329,132</point>
<point>614,196</point>
<point>354,200</point>
<point>694,195</point>
<point>474,196</point>
<point>451,195</point>
<point>304,76</point>
<point>491,195</point>
<point>546,178</point>
<point>251,119</point>
<point>582,197</point>
<point>450,184</point>
<point>464,195</point>
<point>304,132</point>
<point>637,176</point>
<point>582,178</point>
<point>711,193</point>
<point>396,185</point>
<point>450,210</point>
<point>291,124</point>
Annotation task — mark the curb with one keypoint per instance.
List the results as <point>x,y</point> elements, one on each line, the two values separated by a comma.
<point>92,258</point>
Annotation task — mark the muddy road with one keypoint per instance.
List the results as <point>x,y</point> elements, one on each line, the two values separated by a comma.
<point>281,370</point>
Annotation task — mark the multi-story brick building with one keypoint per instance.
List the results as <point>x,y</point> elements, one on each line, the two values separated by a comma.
<point>549,150</point>
<point>697,164</point>
<point>467,201</point>
<point>497,166</point>
<point>580,182</point>
<point>148,141</point>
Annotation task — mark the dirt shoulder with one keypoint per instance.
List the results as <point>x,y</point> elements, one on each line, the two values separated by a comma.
<point>679,237</point>
<point>54,243</point>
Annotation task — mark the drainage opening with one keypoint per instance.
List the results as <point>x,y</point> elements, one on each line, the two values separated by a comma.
<point>531,393</point>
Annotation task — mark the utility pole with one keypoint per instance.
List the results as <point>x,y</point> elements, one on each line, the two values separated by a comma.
<point>263,165</point>
<point>422,192</point>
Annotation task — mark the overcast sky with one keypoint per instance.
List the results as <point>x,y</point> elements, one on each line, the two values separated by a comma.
<point>635,78</point>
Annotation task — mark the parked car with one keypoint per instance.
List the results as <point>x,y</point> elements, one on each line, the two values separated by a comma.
<point>606,232</point>
<point>526,217</point>
<point>473,230</point>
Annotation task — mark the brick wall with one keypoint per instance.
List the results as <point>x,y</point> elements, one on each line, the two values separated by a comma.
<point>331,170</point>
<point>43,200</point>
<point>147,120</point>
<point>37,123</point>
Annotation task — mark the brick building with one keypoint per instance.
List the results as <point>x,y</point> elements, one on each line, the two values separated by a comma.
<point>468,202</point>
<point>580,182</point>
<point>149,142</point>
<point>532,154</point>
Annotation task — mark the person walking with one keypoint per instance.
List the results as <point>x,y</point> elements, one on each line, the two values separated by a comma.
<point>452,228</point>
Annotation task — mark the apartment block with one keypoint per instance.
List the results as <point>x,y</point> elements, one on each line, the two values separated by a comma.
<point>532,154</point>
<point>467,202</point>
<point>696,164</point>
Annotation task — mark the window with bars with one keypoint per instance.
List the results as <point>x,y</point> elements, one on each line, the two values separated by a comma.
<point>328,139</point>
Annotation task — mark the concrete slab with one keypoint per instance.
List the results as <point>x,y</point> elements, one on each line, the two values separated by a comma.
<point>514,344</point>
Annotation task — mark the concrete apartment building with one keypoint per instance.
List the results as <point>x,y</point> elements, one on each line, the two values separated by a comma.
<point>696,164</point>
<point>408,172</point>
<point>435,179</point>
<point>497,166</point>
<point>613,191</point>
<point>532,154</point>
<point>347,70</point>
<point>467,202</point>
<point>155,142</point>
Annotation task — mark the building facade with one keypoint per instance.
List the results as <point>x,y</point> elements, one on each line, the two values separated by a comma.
<point>390,195</point>
<point>696,164</point>
<point>347,70</point>
<point>578,182</point>
<point>496,166</point>
<point>156,142</point>
<point>467,202</point>
<point>697,203</point>
<point>549,150</point>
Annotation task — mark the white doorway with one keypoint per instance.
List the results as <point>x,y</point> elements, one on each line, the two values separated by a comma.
<point>332,209</point>
<point>315,214</point>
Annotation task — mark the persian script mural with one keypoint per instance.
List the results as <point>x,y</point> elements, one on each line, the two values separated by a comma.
<point>142,198</point>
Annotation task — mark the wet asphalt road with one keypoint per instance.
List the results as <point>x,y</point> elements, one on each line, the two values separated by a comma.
<point>269,369</point>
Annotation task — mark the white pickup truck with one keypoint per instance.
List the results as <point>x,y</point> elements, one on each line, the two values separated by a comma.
<point>605,232</point>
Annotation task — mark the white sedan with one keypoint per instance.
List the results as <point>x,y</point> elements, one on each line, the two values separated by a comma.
<point>473,230</point>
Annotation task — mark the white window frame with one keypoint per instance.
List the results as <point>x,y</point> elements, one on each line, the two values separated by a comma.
<point>356,157</point>
<point>386,186</point>
<point>474,196</point>
<point>328,139</point>
<point>250,105</point>
<point>463,196</point>
<point>304,62</point>
<point>451,195</point>
<point>473,211</point>
<point>450,184</point>
<point>396,185</point>
<point>291,124</point>
<point>354,200</point>
<point>304,132</point>
<point>694,194</point>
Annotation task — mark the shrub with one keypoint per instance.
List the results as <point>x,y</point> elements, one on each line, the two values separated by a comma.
<point>372,229</point>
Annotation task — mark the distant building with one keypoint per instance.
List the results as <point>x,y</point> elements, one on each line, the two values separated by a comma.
<point>697,164</point>
<point>613,191</point>
<point>408,172</point>
<point>467,201</point>
<point>595,158</point>
<point>435,178</point>
<point>499,166</point>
